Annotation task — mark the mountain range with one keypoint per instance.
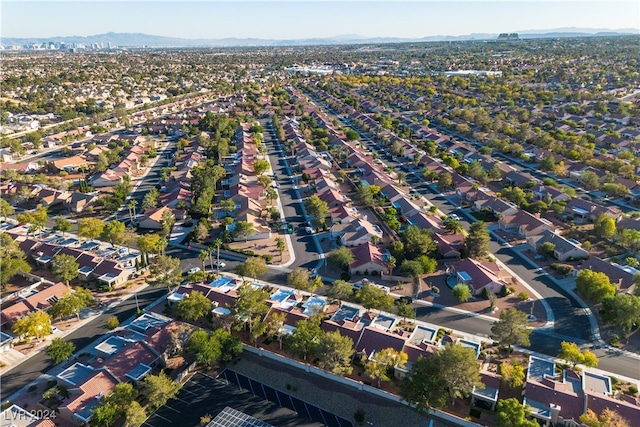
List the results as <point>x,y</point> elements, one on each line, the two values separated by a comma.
<point>137,40</point>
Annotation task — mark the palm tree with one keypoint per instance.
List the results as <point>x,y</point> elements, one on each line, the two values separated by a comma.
<point>453,226</point>
<point>202,256</point>
<point>391,263</point>
<point>162,244</point>
<point>217,243</point>
<point>132,209</point>
<point>280,246</point>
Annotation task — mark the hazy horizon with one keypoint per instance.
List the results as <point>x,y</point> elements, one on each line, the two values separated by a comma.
<point>309,19</point>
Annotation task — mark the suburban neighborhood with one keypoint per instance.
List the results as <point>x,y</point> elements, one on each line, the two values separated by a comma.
<point>192,235</point>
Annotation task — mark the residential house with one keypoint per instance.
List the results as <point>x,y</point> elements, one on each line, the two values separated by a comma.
<point>498,207</point>
<point>111,273</point>
<point>525,224</point>
<point>563,249</point>
<point>79,408</point>
<point>108,178</point>
<point>78,202</point>
<point>520,179</point>
<point>153,218</point>
<point>621,276</point>
<point>68,164</point>
<point>131,362</point>
<point>582,210</point>
<point>357,232</point>
<point>552,400</point>
<point>477,275</point>
<point>449,245</point>
<point>368,260</point>
<point>552,194</point>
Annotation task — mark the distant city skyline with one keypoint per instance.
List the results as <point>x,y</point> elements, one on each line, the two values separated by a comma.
<point>309,19</point>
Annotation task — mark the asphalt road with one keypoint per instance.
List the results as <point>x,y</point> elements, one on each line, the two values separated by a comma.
<point>29,370</point>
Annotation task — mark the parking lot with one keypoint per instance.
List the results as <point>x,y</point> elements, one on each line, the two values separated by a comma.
<point>203,394</point>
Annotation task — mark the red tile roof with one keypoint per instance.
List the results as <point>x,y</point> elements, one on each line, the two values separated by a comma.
<point>100,384</point>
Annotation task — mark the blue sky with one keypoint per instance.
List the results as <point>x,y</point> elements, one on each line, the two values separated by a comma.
<point>307,19</point>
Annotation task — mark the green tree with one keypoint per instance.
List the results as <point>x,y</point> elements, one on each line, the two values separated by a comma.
<point>364,194</point>
<point>317,208</point>
<point>230,345</point>
<point>445,181</point>
<point>260,166</point>
<point>424,386</point>
<point>60,350</point>
<point>148,243</point>
<point>452,226</point>
<point>622,309</point>
<point>477,241</point>
<point>304,340</point>
<point>65,267</point>
<point>406,311</point>
<point>264,181</point>
<point>151,199</point>
<point>72,302</point>
<point>158,389</point>
<point>36,324</point>
<point>572,354</point>
<point>340,290</point>
<point>381,365</point>
<point>459,369</point>
<point>299,279</point>
<point>418,241</point>
<point>461,292</point>
<point>253,267</point>
<point>122,396</point>
<point>12,259</point>
<point>594,285</point>
<point>135,415</point>
<point>166,270</point>
<point>373,298</point>
<point>112,323</point>
<point>63,224</point>
<point>351,135</point>
<point>341,257</point>
<point>90,228</point>
<point>604,226</point>
<point>590,180</point>
<point>513,374</point>
<point>114,232</point>
<point>104,414</point>
<point>167,221</point>
<point>204,347</point>
<point>411,269</point>
<point>243,230</point>
<point>280,246</point>
<point>5,209</point>
<point>194,306</point>
<point>608,418</point>
<point>512,413</point>
<point>203,256</point>
<point>334,352</point>
<point>275,324</point>
<point>512,328</point>
<point>37,218</point>
<point>251,303</point>
<point>548,163</point>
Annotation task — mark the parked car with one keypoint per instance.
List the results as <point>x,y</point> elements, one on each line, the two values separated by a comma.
<point>219,264</point>
<point>193,270</point>
<point>309,230</point>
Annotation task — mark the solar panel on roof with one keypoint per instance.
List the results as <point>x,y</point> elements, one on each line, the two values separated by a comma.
<point>230,417</point>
